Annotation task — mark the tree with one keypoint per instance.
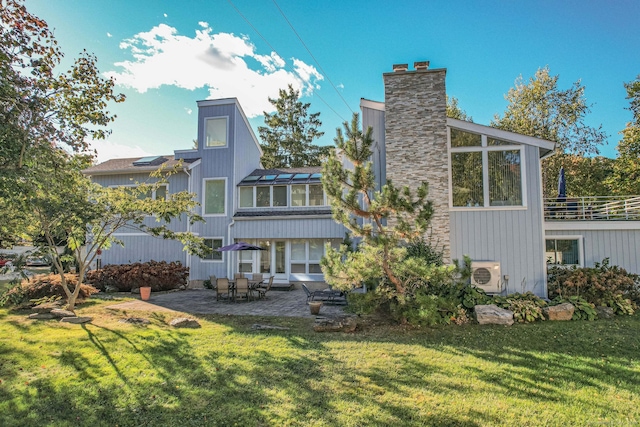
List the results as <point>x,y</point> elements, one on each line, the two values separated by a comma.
<point>287,138</point>
<point>69,209</point>
<point>455,112</point>
<point>540,109</point>
<point>384,220</point>
<point>41,110</point>
<point>625,179</point>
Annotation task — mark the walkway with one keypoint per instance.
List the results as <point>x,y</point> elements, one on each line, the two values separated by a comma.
<point>203,301</point>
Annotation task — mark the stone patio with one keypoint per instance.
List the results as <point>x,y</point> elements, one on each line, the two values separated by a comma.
<point>203,301</point>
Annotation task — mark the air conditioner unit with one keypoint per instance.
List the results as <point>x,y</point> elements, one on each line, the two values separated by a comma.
<point>486,276</point>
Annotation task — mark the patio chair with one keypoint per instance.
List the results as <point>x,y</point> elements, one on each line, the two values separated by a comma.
<point>242,289</point>
<point>257,277</point>
<point>262,291</point>
<point>327,296</point>
<point>238,276</point>
<point>222,288</point>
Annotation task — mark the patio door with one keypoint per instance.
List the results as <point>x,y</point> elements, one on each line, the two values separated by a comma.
<point>279,270</point>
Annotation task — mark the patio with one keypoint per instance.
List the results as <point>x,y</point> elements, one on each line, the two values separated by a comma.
<point>203,301</point>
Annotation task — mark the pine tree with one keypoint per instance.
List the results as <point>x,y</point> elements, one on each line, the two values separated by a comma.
<point>287,138</point>
<point>384,220</point>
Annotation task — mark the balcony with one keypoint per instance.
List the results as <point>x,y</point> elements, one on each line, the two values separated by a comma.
<point>593,208</point>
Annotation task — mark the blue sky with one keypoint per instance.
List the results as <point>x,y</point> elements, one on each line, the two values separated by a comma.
<point>166,55</point>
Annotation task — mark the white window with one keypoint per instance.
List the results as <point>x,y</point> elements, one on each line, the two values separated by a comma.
<point>263,197</point>
<point>215,132</point>
<point>316,195</point>
<point>306,255</point>
<point>215,196</point>
<point>485,172</point>
<point>246,197</point>
<point>564,250</point>
<point>299,195</point>
<point>213,243</point>
<point>279,195</point>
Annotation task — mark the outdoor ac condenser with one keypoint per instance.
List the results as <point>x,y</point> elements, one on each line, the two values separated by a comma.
<point>486,276</point>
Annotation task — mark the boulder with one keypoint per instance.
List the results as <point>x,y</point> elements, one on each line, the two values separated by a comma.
<point>41,316</point>
<point>184,322</point>
<point>135,320</point>
<point>58,312</point>
<point>46,307</point>
<point>562,311</point>
<point>335,324</point>
<point>135,291</point>
<point>111,289</point>
<point>605,312</point>
<point>75,320</point>
<point>493,315</point>
<point>259,327</point>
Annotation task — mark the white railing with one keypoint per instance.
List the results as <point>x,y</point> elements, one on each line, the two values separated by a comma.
<point>593,208</point>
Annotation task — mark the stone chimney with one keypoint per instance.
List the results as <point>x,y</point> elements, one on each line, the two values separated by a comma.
<point>416,140</point>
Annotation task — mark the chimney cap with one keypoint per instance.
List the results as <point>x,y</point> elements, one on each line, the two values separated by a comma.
<point>400,67</point>
<point>421,65</point>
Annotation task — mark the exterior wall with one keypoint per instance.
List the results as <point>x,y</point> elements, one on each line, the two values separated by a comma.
<point>416,140</point>
<point>289,228</point>
<point>143,248</point>
<point>620,242</point>
<point>511,236</point>
<point>374,118</point>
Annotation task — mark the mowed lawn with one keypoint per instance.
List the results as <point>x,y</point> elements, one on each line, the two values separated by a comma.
<point>111,373</point>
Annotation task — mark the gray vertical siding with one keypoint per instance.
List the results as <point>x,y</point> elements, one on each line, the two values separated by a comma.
<point>622,247</point>
<point>290,228</point>
<point>375,119</point>
<point>142,249</point>
<point>512,237</point>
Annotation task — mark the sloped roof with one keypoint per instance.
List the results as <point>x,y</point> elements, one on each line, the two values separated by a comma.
<point>307,169</point>
<point>126,166</point>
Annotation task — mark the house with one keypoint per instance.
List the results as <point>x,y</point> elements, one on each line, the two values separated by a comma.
<point>284,211</point>
<point>485,185</point>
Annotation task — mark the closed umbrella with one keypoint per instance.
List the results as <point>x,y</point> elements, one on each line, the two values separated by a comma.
<point>240,246</point>
<point>562,186</point>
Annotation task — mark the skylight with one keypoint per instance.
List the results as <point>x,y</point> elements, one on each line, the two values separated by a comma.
<point>151,160</point>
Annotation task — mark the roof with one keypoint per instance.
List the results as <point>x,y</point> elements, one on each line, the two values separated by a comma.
<point>288,212</point>
<point>127,166</point>
<point>307,169</point>
<point>283,176</point>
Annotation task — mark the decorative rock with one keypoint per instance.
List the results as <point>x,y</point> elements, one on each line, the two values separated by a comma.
<point>46,307</point>
<point>493,315</point>
<point>183,322</point>
<point>183,287</point>
<point>41,316</point>
<point>259,327</point>
<point>562,311</point>
<point>605,312</point>
<point>336,324</point>
<point>58,312</point>
<point>111,289</point>
<point>135,290</point>
<point>75,320</point>
<point>135,320</point>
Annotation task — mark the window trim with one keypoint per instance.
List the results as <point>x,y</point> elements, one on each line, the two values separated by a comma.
<point>484,148</point>
<point>204,196</point>
<point>578,237</point>
<point>216,261</point>
<point>204,132</point>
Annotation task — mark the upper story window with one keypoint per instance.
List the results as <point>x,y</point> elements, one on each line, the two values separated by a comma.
<point>215,132</point>
<point>485,172</point>
<point>158,193</point>
<point>215,192</point>
<point>297,195</point>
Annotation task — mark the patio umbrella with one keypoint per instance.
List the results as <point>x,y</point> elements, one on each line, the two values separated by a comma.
<point>562,186</point>
<point>240,246</point>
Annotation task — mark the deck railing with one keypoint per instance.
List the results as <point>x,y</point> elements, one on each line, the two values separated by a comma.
<point>592,208</point>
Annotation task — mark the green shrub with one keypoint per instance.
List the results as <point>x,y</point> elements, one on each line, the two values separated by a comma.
<point>45,286</point>
<point>584,310</point>
<point>424,250</point>
<point>621,305</point>
<point>526,307</point>
<point>425,309</point>
<point>363,303</point>
<point>601,285</point>
<point>161,276</point>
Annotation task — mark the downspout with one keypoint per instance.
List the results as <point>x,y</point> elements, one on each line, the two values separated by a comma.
<point>189,187</point>
<point>230,264</point>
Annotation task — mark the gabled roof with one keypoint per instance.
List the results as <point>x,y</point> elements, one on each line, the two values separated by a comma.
<point>546,147</point>
<point>127,166</point>
<point>307,169</point>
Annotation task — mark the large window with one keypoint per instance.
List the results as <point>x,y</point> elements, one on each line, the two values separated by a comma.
<point>265,196</point>
<point>306,255</point>
<point>215,196</point>
<point>215,132</point>
<point>213,244</point>
<point>485,172</point>
<point>563,251</point>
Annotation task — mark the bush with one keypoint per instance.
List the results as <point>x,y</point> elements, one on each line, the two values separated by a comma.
<point>363,303</point>
<point>161,276</point>
<point>44,286</point>
<point>526,307</point>
<point>601,285</point>
<point>426,309</point>
<point>422,249</point>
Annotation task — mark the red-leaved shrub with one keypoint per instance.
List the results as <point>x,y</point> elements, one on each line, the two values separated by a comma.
<point>161,276</point>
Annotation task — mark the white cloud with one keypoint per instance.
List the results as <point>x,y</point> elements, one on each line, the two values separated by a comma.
<point>188,110</point>
<point>225,64</point>
<point>165,15</point>
<point>111,150</point>
<point>109,35</point>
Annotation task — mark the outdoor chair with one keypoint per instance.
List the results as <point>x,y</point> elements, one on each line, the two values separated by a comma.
<point>238,276</point>
<point>222,288</point>
<point>257,277</point>
<point>326,296</point>
<point>242,289</point>
<point>262,291</point>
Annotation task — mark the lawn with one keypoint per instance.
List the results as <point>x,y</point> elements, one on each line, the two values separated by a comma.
<point>225,373</point>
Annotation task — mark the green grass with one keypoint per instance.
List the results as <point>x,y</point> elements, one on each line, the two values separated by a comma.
<point>111,373</point>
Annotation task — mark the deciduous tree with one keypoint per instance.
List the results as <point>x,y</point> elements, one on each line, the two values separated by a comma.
<point>287,138</point>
